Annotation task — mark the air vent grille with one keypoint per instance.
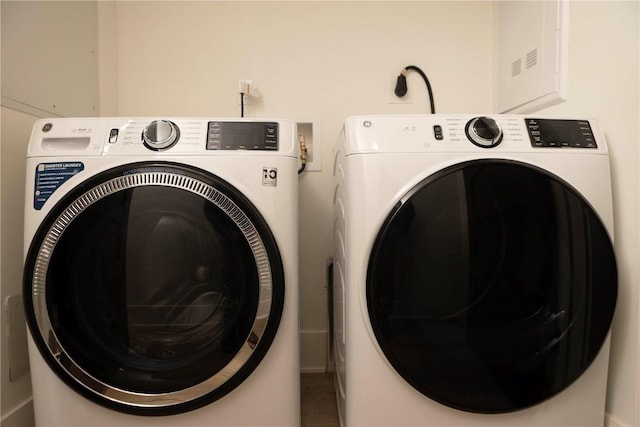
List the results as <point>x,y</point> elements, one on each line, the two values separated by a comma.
<point>516,67</point>
<point>532,58</point>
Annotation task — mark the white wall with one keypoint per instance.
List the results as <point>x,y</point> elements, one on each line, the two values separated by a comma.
<point>107,59</point>
<point>17,409</point>
<point>604,77</point>
<point>330,59</point>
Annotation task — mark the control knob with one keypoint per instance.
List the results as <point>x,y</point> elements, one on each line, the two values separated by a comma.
<point>484,132</point>
<point>160,135</point>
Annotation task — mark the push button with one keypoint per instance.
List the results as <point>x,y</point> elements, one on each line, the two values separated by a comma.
<point>113,136</point>
<point>437,132</point>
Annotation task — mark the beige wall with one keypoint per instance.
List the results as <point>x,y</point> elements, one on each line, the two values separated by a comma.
<point>326,59</point>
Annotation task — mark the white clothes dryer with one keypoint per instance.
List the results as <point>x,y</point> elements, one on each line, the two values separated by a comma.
<point>161,272</point>
<point>474,273</point>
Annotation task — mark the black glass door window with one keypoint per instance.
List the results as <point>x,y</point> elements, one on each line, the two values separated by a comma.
<point>491,286</point>
<point>170,284</point>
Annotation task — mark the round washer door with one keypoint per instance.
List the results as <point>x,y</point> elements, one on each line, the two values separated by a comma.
<point>491,286</point>
<point>154,288</point>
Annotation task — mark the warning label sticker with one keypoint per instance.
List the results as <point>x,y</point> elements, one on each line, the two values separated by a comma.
<point>49,177</point>
<point>270,177</point>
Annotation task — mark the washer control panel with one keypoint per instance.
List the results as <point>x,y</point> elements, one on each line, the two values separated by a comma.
<point>560,133</point>
<point>143,136</point>
<point>224,135</point>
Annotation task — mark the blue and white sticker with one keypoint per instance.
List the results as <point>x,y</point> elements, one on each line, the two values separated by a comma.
<point>49,177</point>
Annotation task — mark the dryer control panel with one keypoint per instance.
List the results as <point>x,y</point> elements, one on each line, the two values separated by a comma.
<point>560,133</point>
<point>466,133</point>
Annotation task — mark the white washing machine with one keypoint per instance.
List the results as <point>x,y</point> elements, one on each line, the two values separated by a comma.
<point>161,273</point>
<point>474,273</point>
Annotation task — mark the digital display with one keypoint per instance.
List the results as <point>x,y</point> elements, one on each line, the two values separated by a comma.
<point>242,136</point>
<point>560,133</point>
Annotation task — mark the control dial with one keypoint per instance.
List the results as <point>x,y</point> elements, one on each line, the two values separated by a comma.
<point>484,132</point>
<point>160,135</point>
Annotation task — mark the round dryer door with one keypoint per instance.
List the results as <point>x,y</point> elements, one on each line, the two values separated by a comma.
<point>154,288</point>
<point>491,286</point>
